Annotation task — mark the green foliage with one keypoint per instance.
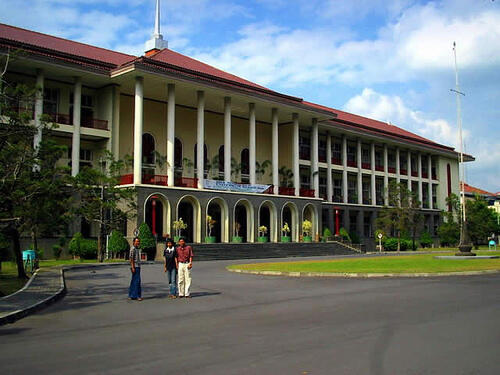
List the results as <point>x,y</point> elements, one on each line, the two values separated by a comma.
<point>307,227</point>
<point>449,233</point>
<point>146,236</point>
<point>391,244</point>
<point>261,168</point>
<point>384,236</point>
<point>481,221</point>
<point>426,239</point>
<point>344,234</point>
<point>57,251</point>
<point>82,247</point>
<point>286,176</point>
<point>40,253</point>
<point>327,233</point>
<point>355,238</point>
<point>117,242</point>
<point>4,248</point>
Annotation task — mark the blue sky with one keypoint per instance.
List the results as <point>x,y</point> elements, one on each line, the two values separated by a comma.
<point>391,60</point>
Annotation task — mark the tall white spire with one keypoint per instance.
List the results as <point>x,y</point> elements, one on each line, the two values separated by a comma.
<point>157,41</point>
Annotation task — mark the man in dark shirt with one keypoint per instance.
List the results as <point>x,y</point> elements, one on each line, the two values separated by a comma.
<point>184,258</point>
<point>171,267</point>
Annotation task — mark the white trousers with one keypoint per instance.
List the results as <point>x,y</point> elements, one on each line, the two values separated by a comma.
<point>184,279</point>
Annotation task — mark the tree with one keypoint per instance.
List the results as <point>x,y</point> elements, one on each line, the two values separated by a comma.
<point>481,221</point>
<point>148,242</point>
<point>117,242</point>
<point>102,200</point>
<point>449,230</point>
<point>32,186</point>
<point>260,168</point>
<point>402,214</point>
<point>286,175</point>
<point>235,168</point>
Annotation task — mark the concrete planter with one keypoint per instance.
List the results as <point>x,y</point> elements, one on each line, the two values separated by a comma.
<point>262,239</point>
<point>286,238</point>
<point>237,239</point>
<point>308,238</point>
<point>211,239</point>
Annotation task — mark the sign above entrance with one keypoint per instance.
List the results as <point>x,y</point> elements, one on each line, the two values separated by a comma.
<point>232,186</point>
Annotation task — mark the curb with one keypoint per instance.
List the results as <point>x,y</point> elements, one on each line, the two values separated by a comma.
<point>19,314</point>
<point>348,275</point>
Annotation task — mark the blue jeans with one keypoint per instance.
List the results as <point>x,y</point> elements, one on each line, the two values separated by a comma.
<point>135,291</point>
<point>172,280</point>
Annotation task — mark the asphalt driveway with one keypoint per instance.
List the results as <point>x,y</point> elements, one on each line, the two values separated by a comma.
<point>247,324</point>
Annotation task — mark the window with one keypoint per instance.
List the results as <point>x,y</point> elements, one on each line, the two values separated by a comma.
<point>336,152</point>
<point>351,154</point>
<point>245,161</point>
<point>337,188</point>
<point>87,110</point>
<point>322,149</point>
<point>305,145</point>
<point>50,100</point>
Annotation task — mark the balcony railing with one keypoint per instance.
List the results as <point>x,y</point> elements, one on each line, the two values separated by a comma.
<point>336,161</point>
<point>379,168</point>
<point>414,173</point>
<point>305,155</point>
<point>307,192</point>
<point>286,191</point>
<point>269,190</point>
<point>186,182</point>
<point>92,123</point>
<point>127,179</point>
<point>352,163</point>
<point>425,175</point>
<point>392,169</point>
<point>366,165</point>
<point>154,179</point>
<point>403,171</point>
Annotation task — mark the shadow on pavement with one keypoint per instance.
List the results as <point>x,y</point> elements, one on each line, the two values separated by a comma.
<point>12,331</point>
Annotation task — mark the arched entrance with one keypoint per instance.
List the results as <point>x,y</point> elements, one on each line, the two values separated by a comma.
<point>309,213</point>
<point>243,215</point>
<point>290,215</point>
<point>157,215</point>
<point>217,209</point>
<point>268,217</point>
<point>188,208</point>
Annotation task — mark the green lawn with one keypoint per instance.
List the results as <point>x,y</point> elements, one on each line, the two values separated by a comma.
<point>9,283</point>
<point>423,263</point>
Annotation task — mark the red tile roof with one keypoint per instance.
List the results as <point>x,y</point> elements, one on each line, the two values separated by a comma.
<point>474,190</point>
<point>63,45</point>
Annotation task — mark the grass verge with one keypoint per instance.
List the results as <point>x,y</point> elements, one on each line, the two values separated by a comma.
<point>423,263</point>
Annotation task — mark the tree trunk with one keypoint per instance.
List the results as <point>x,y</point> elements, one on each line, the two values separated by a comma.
<point>101,240</point>
<point>34,238</point>
<point>399,242</point>
<point>15,236</point>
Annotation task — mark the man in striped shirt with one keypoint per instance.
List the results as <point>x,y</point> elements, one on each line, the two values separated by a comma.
<point>135,292</point>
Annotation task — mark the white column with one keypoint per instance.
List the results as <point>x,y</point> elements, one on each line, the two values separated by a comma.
<point>429,174</point>
<point>38,107</point>
<point>408,165</point>
<point>200,132</point>
<point>295,154</point>
<point>314,158</point>
<point>227,139</point>
<point>386,176</point>
<point>138,126</point>
<point>344,169</point>
<point>115,126</point>
<point>77,110</point>
<point>251,142</point>
<point>360,173</point>
<point>170,134</point>
<point>329,185</point>
<point>398,169</point>
<point>373,181</point>
<point>419,164</point>
<point>275,150</point>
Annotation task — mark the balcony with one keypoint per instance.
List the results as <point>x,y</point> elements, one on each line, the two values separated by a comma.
<point>425,175</point>
<point>269,190</point>
<point>322,158</point>
<point>307,192</point>
<point>336,161</point>
<point>403,171</point>
<point>352,163</point>
<point>414,173</point>
<point>392,169</point>
<point>287,191</point>
<point>146,179</point>
<point>434,176</point>
<point>186,182</point>
<point>366,165</point>
<point>379,168</point>
<point>92,123</point>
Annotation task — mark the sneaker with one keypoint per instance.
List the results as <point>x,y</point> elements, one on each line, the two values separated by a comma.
<point>188,296</point>
<point>139,299</point>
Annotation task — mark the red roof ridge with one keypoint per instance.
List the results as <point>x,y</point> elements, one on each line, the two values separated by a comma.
<point>472,189</point>
<point>52,37</point>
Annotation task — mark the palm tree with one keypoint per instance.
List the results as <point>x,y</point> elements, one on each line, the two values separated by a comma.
<point>260,168</point>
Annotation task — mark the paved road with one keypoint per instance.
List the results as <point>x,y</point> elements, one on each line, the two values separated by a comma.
<point>246,324</point>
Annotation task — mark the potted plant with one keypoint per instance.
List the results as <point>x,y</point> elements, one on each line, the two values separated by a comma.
<point>237,228</point>
<point>262,233</point>
<point>306,229</point>
<point>285,231</point>
<point>179,226</point>
<point>210,225</point>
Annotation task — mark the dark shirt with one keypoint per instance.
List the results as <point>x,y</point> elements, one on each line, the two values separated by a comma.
<point>170,258</point>
<point>184,253</point>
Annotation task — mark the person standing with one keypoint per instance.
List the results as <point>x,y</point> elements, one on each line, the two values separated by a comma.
<point>134,291</point>
<point>171,267</point>
<point>184,258</point>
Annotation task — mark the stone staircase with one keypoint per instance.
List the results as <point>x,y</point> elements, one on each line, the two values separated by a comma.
<point>231,251</point>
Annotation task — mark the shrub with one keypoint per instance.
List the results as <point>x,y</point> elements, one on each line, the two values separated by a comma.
<point>117,243</point>
<point>57,250</point>
<point>344,234</point>
<point>75,244</point>
<point>88,249</point>
<point>391,244</point>
<point>426,239</point>
<point>355,238</point>
<point>327,233</point>
<point>307,227</point>
<point>148,242</point>
<point>40,253</point>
